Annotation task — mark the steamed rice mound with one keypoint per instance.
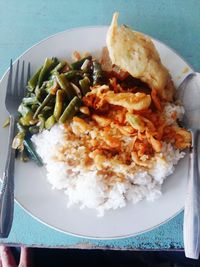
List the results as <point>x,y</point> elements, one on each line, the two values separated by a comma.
<point>94,182</point>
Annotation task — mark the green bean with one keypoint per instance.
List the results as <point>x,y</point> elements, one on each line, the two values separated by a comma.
<point>97,73</point>
<point>34,79</point>
<point>32,153</point>
<point>41,122</point>
<point>58,67</point>
<point>55,60</point>
<point>43,104</point>
<point>70,110</point>
<point>59,104</point>
<point>40,92</point>
<point>21,128</point>
<point>50,122</point>
<point>62,81</point>
<point>27,119</point>
<point>85,85</point>
<point>47,111</point>
<point>86,74</point>
<point>34,107</point>
<point>49,84</point>
<point>77,65</point>
<point>73,73</point>
<point>6,122</point>
<point>55,93</point>
<point>65,85</point>
<point>52,87</point>
<point>34,129</point>
<point>76,89</point>
<point>86,65</point>
<point>46,68</point>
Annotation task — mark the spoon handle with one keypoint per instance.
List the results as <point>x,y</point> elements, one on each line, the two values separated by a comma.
<point>191,226</point>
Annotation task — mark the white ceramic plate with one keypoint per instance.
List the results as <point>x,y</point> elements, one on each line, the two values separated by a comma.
<point>34,194</point>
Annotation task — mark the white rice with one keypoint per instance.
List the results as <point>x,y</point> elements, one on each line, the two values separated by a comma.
<point>87,189</point>
<point>169,109</point>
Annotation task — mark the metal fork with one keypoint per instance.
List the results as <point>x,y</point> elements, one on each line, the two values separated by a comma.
<point>14,94</point>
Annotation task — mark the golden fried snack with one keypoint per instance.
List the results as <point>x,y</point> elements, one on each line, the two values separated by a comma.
<point>135,53</point>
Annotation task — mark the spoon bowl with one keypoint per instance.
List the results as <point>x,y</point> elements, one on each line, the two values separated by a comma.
<point>189,95</point>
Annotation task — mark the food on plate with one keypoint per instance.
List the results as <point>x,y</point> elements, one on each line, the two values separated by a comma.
<point>106,129</point>
<point>54,96</point>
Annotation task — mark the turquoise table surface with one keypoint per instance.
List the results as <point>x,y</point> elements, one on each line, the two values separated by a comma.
<point>25,22</point>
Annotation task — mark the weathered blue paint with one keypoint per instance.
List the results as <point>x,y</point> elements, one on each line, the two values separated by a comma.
<point>28,232</point>
<point>25,22</point>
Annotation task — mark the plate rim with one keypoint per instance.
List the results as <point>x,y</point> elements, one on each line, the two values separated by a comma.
<point>97,237</point>
<point>57,228</point>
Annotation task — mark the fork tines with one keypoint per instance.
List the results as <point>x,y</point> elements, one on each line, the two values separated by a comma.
<point>19,85</point>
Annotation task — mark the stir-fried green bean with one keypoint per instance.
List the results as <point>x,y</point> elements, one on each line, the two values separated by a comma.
<point>46,112</point>
<point>34,129</point>
<point>54,96</point>
<point>85,85</point>
<point>77,90</point>
<point>65,85</point>
<point>97,73</point>
<point>77,65</point>
<point>21,128</point>
<point>85,65</point>
<point>46,68</point>
<point>40,92</point>
<point>32,83</point>
<point>59,104</point>
<point>41,122</point>
<point>72,74</point>
<point>70,110</point>
<point>59,66</point>
<point>43,104</point>
<point>50,122</point>
<point>28,119</point>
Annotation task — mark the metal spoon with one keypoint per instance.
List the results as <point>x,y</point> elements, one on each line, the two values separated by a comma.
<point>189,94</point>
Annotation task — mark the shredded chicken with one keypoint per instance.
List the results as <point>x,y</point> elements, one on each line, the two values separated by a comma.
<point>113,119</point>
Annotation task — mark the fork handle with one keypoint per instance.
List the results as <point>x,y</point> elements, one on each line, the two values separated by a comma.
<point>7,191</point>
<point>191,226</point>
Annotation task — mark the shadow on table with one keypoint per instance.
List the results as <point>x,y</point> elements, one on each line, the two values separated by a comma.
<point>77,257</point>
